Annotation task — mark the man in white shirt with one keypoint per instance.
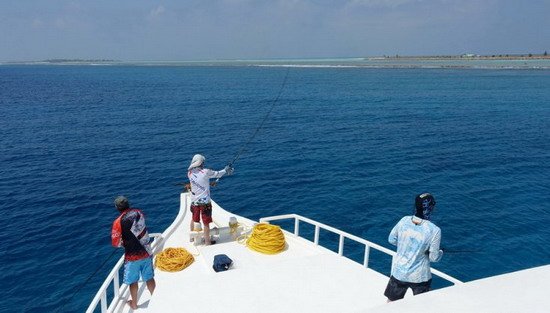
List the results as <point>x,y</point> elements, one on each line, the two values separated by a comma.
<point>199,178</point>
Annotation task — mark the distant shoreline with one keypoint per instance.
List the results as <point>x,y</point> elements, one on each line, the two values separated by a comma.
<point>504,57</point>
<point>465,57</point>
<point>466,61</point>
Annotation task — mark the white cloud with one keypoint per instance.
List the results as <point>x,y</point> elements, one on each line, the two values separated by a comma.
<point>156,12</point>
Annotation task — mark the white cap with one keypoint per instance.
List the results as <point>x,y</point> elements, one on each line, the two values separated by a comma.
<point>197,161</point>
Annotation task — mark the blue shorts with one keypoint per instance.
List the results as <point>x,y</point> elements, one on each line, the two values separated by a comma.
<point>133,270</point>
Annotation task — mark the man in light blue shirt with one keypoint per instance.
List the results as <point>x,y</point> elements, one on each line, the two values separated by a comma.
<point>417,240</point>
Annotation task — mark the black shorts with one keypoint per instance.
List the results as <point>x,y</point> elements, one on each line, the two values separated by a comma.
<point>396,289</point>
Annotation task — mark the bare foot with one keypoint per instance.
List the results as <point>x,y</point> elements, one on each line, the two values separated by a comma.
<point>134,307</point>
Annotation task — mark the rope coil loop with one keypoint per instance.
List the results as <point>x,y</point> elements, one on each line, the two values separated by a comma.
<point>267,239</point>
<point>173,259</point>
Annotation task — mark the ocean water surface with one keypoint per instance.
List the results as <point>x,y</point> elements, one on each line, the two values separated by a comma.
<point>349,147</point>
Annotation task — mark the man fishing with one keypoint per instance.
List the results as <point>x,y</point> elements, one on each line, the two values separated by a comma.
<point>199,178</point>
<point>129,231</point>
<point>417,240</point>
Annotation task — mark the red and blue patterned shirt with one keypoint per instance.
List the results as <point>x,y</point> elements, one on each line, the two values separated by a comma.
<point>129,231</point>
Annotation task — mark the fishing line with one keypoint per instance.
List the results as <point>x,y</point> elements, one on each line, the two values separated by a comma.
<point>87,280</point>
<point>238,155</point>
<point>459,251</point>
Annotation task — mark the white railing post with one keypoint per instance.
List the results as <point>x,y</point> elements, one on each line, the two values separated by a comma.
<point>116,286</point>
<point>296,226</point>
<point>341,245</point>
<point>103,302</point>
<point>366,259</point>
<point>316,238</point>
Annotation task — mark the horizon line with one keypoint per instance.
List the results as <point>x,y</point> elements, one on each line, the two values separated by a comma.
<point>386,56</point>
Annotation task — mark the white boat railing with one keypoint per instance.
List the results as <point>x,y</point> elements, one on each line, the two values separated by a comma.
<point>342,235</point>
<point>113,277</point>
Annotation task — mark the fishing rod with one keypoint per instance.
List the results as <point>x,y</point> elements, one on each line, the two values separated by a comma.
<point>87,280</point>
<point>241,150</point>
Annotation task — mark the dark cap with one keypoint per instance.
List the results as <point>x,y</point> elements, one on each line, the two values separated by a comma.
<point>424,204</point>
<point>121,203</point>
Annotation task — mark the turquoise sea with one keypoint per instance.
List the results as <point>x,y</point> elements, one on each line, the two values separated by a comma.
<point>347,146</point>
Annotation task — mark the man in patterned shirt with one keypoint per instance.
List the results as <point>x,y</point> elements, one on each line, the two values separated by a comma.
<point>417,240</point>
<point>129,231</point>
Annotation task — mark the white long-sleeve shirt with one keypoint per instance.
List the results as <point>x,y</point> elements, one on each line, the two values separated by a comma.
<point>412,263</point>
<point>200,183</point>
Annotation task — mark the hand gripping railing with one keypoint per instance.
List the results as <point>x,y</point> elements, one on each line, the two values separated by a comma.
<point>343,235</point>
<point>113,278</point>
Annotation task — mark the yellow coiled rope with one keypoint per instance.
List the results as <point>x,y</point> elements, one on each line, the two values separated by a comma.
<point>173,259</point>
<point>266,238</point>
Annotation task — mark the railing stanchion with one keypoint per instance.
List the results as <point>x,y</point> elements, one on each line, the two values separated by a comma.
<point>296,226</point>
<point>316,238</point>
<point>366,259</point>
<point>103,302</point>
<point>341,246</point>
<point>116,286</point>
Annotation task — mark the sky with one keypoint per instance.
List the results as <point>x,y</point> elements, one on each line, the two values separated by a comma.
<point>179,30</point>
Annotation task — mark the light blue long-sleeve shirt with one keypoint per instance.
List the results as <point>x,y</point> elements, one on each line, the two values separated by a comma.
<point>412,263</point>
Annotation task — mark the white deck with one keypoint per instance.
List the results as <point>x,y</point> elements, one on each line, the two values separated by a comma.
<point>519,292</point>
<point>304,277</point>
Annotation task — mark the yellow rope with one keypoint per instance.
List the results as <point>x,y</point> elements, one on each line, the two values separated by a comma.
<point>266,238</point>
<point>173,259</point>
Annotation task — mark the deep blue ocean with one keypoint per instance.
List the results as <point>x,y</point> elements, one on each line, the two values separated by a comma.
<point>349,147</point>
